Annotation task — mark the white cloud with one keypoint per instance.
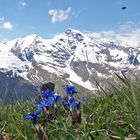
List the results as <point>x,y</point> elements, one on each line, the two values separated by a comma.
<point>127,35</point>
<point>59,15</point>
<point>23,3</point>
<point>7,25</point>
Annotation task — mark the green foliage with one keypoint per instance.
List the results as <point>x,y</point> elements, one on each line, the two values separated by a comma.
<point>115,115</point>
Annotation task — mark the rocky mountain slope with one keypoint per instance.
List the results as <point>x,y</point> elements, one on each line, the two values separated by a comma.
<point>70,56</point>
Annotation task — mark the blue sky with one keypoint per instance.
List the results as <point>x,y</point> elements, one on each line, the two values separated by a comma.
<point>49,17</point>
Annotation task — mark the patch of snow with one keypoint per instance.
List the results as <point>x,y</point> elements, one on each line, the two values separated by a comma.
<point>117,54</point>
<point>75,78</point>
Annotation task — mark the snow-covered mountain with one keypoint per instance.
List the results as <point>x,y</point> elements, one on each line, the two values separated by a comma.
<point>71,56</point>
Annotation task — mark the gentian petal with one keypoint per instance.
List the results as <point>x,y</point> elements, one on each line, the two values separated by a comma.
<point>38,103</point>
<point>66,102</point>
<point>70,90</point>
<point>72,99</point>
<point>47,93</point>
<point>33,116</point>
<point>37,112</point>
<point>75,105</point>
<point>57,98</point>
<point>30,116</point>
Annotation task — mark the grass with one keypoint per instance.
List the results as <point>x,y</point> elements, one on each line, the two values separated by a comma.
<point>113,116</point>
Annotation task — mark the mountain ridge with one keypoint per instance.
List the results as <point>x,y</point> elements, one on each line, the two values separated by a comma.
<point>71,56</point>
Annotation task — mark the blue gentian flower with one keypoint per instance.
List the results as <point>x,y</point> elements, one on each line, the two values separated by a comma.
<point>48,103</point>
<point>33,116</point>
<point>75,105</point>
<point>40,101</point>
<point>72,99</point>
<point>66,102</point>
<point>69,102</point>
<point>70,90</point>
<point>47,93</point>
<point>57,98</point>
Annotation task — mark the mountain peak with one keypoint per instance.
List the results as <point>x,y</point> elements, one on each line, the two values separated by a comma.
<point>73,31</point>
<point>76,35</point>
<point>30,37</point>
